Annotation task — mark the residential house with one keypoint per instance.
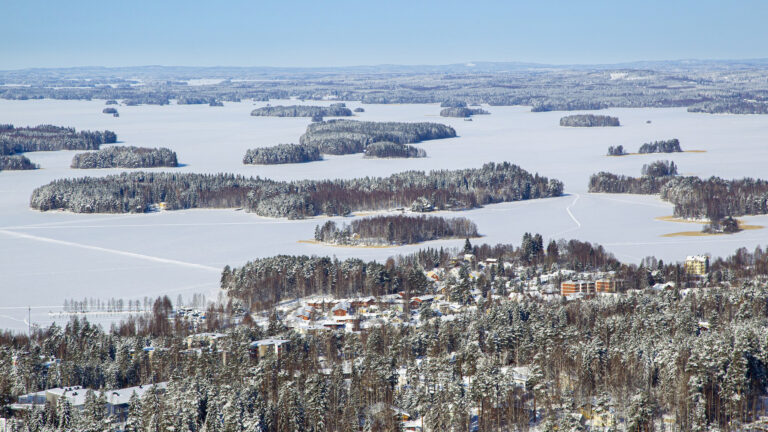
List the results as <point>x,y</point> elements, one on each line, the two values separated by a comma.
<point>263,347</point>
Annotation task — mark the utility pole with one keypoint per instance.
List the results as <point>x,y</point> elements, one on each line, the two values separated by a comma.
<point>29,327</point>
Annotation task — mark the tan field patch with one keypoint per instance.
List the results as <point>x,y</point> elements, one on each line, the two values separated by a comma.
<point>680,220</point>
<point>651,154</point>
<point>742,227</point>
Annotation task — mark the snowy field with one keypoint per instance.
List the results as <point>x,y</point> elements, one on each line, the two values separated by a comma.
<point>48,257</point>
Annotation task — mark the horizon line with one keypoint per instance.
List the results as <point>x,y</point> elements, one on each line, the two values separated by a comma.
<point>468,64</point>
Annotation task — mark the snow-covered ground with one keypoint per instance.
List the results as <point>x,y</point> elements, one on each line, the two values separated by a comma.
<point>47,257</point>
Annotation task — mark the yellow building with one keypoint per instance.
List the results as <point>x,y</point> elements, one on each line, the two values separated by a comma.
<point>697,265</point>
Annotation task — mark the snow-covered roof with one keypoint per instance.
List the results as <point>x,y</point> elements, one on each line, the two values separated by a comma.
<point>264,342</point>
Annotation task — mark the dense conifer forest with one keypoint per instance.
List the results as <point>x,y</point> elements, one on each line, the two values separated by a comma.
<point>395,230</point>
<point>443,189</point>
<point>50,138</point>
<point>589,120</point>
<point>126,157</point>
<point>282,154</point>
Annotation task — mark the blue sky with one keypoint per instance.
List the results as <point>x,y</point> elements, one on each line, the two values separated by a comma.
<point>363,32</point>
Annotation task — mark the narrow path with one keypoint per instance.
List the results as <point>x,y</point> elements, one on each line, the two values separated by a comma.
<point>573,218</point>
<point>111,251</point>
<point>568,209</point>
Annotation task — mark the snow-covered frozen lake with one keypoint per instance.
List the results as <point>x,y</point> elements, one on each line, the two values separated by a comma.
<point>48,257</point>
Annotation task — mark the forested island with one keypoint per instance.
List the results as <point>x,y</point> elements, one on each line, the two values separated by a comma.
<point>50,138</point>
<point>126,157</point>
<point>395,230</point>
<point>340,137</point>
<point>654,176</point>
<point>589,120</point>
<point>16,162</point>
<point>443,189</point>
<point>282,154</point>
<point>715,199</point>
<point>462,112</point>
<point>109,110</point>
<point>302,111</point>
<point>666,146</point>
<point>385,149</point>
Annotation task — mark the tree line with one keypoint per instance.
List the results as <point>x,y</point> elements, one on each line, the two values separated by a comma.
<point>730,106</point>
<point>398,229</point>
<point>443,189</point>
<point>125,157</point>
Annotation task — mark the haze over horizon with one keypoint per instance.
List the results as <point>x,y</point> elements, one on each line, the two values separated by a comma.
<point>346,33</point>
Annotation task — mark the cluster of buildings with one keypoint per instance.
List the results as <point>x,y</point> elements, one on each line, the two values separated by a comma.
<point>118,400</point>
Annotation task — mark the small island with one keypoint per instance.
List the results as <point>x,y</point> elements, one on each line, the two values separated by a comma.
<point>311,111</point>
<point>109,110</point>
<point>589,120</point>
<point>385,149</point>
<point>282,154</point>
<point>617,151</point>
<point>339,137</point>
<point>666,146</point>
<point>125,157</point>
<point>16,163</point>
<point>394,230</point>
<point>462,112</point>
<point>358,110</point>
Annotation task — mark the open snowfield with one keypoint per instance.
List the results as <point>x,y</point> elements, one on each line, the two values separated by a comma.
<point>48,257</point>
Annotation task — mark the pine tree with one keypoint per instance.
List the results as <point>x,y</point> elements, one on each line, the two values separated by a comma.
<point>133,422</point>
